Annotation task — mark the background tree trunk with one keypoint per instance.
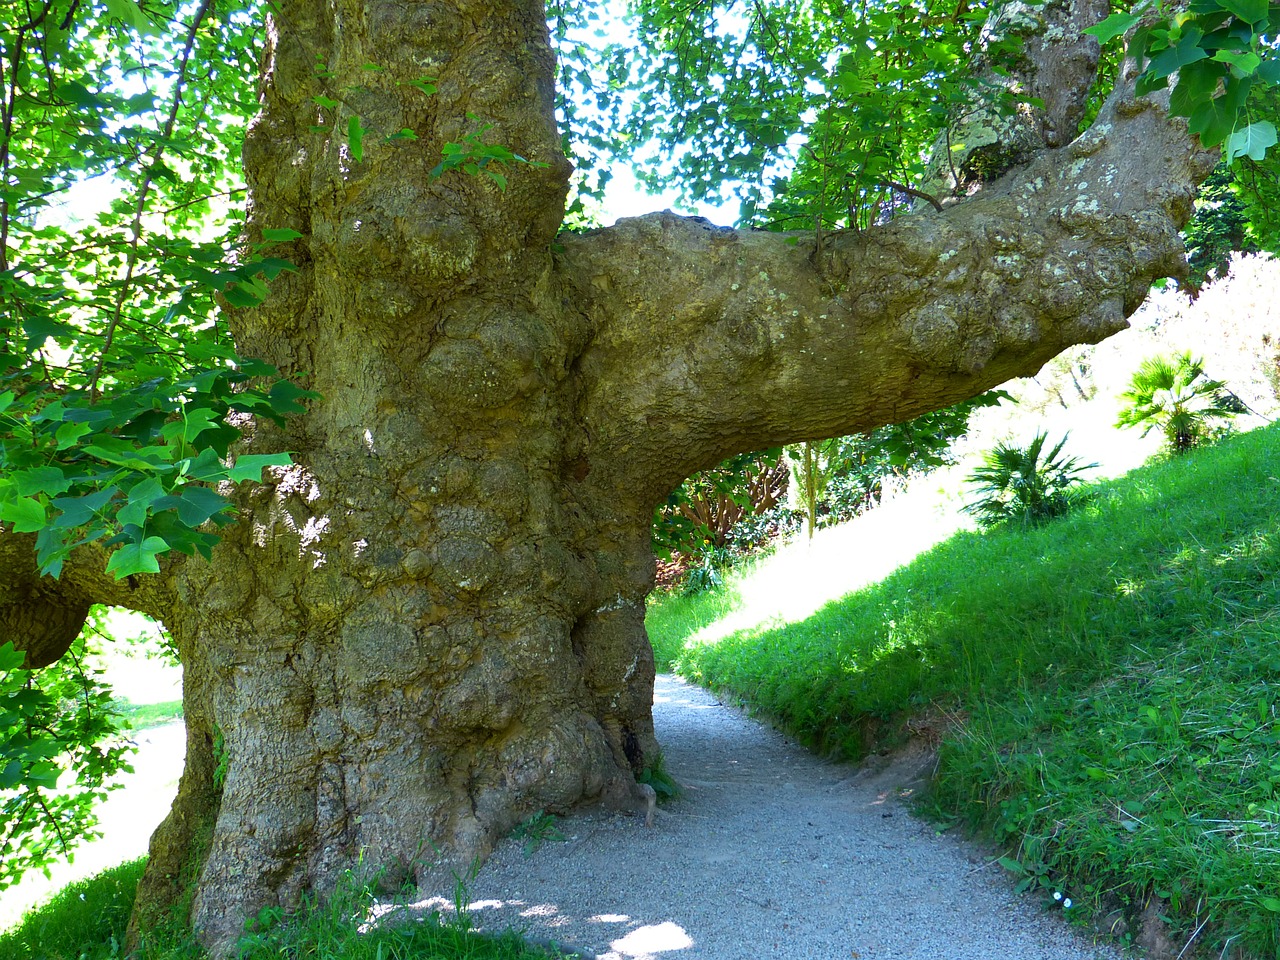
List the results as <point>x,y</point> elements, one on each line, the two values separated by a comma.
<point>431,627</point>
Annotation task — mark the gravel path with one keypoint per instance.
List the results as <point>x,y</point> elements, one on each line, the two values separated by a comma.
<point>769,853</point>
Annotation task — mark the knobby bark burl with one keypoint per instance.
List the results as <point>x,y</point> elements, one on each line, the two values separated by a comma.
<point>431,627</point>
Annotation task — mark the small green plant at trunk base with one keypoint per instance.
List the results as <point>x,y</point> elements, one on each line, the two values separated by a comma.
<point>537,830</point>
<point>656,776</point>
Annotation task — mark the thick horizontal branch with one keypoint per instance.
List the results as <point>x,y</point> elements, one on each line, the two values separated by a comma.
<point>710,341</point>
<point>42,616</point>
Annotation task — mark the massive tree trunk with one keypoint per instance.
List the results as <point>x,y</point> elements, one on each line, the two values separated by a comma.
<point>432,626</point>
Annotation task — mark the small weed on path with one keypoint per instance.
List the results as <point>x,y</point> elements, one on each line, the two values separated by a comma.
<point>537,830</point>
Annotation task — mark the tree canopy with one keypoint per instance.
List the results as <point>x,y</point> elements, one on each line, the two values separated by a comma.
<point>122,200</point>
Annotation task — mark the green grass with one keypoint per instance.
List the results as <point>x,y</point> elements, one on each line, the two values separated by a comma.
<point>1114,677</point>
<point>678,615</point>
<point>87,921</point>
<point>143,715</point>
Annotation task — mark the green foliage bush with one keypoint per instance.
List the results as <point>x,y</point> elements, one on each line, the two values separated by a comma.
<point>1173,394</point>
<point>1026,485</point>
<point>60,745</point>
<point>719,515</point>
<point>840,478</point>
<point>1219,228</point>
<point>703,511</point>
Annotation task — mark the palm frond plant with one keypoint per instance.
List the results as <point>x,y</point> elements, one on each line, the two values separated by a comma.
<point>1174,395</point>
<point>1025,484</point>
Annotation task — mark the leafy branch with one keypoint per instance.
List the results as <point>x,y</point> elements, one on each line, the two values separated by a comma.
<point>1218,50</point>
<point>135,228</point>
<point>475,157</point>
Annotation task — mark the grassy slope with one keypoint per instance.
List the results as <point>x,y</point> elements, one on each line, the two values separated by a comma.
<point>84,919</point>
<point>1117,677</point>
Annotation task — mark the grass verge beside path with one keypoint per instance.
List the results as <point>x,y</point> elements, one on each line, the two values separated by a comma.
<point>678,615</point>
<point>1114,678</point>
<point>87,921</point>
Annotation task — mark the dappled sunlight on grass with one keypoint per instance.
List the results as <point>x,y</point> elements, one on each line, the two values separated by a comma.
<point>803,576</point>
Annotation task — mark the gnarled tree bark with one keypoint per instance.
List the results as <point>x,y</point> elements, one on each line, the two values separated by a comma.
<point>432,626</point>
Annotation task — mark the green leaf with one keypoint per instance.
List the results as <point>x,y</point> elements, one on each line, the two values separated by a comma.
<point>80,95</point>
<point>284,396</point>
<point>197,504</point>
<point>78,511</point>
<point>1269,70</point>
<point>1187,51</point>
<point>26,514</point>
<point>194,504</point>
<point>205,466</point>
<point>130,13</point>
<point>355,139</point>
<point>249,467</point>
<point>324,101</point>
<point>69,434</point>
<point>193,423</point>
<point>43,774</point>
<point>271,267</point>
<point>1242,63</point>
<point>6,400</point>
<point>47,480</point>
<point>10,657</point>
<point>1212,121</point>
<point>1250,11</point>
<point>280,235</point>
<point>124,456</point>
<point>238,296</point>
<point>1196,84</point>
<point>1252,142</point>
<point>1271,903</point>
<point>141,498</point>
<point>12,772</point>
<point>39,329</point>
<point>133,558</point>
<point>426,84</point>
<point>1114,26</point>
<point>252,367</point>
